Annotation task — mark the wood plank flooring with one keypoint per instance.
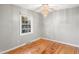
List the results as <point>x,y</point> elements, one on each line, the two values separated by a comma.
<point>43,46</point>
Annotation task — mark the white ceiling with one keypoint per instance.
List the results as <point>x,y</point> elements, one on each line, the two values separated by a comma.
<point>52,7</point>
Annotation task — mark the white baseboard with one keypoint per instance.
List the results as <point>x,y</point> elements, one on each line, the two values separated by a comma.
<point>12,48</point>
<point>36,40</point>
<point>62,42</point>
<point>19,46</point>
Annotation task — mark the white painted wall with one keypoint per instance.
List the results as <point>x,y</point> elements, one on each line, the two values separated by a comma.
<point>10,28</point>
<point>63,26</point>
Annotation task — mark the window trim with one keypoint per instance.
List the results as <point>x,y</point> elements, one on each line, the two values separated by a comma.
<point>31,19</point>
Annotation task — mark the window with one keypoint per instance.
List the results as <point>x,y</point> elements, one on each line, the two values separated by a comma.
<point>25,25</point>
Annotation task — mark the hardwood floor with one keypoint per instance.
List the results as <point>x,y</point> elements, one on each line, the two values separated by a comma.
<point>43,46</point>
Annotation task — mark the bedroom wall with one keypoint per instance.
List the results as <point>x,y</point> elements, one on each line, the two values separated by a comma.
<point>63,25</point>
<point>9,26</point>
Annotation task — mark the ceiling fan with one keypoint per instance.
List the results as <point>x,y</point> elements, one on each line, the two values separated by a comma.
<point>45,9</point>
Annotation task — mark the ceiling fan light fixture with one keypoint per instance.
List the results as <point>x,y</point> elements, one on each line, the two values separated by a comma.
<point>44,9</point>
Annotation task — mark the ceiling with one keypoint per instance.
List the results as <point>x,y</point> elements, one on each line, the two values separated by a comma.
<point>52,7</point>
